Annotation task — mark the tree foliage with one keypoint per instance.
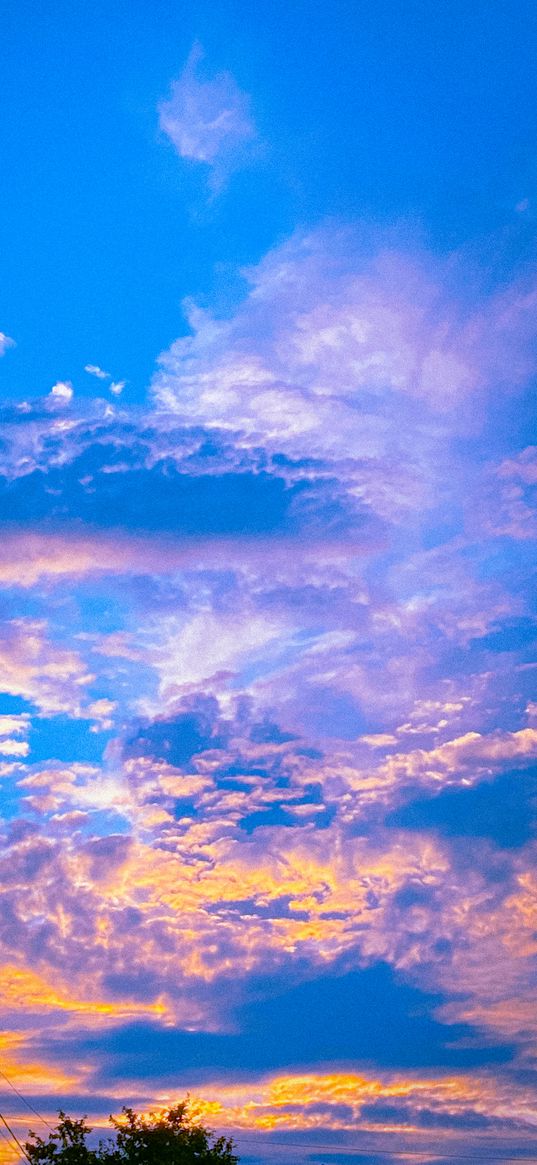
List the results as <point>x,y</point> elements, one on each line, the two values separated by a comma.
<point>168,1138</point>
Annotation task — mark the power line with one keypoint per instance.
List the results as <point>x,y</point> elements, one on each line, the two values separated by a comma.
<point>328,1146</point>
<point>7,1140</point>
<point>5,1137</point>
<point>374,1152</point>
<point>25,1101</point>
<point>14,1137</point>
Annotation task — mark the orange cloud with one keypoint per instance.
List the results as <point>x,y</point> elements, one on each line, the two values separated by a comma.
<point>24,990</point>
<point>335,1100</point>
<point>27,1074</point>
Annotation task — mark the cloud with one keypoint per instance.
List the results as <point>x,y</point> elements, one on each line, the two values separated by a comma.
<point>267,661</point>
<point>26,990</point>
<point>62,391</point>
<point>11,730</point>
<point>208,120</point>
<point>222,919</point>
<point>35,668</point>
<point>190,786</point>
<point>506,507</point>
<point>504,809</point>
<point>335,347</point>
<point>196,649</point>
<point>115,387</point>
<point>5,343</point>
<point>345,1099</point>
<point>33,557</point>
<point>94,370</point>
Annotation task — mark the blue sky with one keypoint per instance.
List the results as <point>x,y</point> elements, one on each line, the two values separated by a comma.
<point>268,720</point>
<point>360,111</point>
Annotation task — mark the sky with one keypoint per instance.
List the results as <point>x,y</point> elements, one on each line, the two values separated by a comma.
<point>268,715</point>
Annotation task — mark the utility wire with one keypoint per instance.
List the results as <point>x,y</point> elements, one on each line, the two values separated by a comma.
<point>5,1137</point>
<point>25,1101</point>
<point>7,1140</point>
<point>373,1152</point>
<point>328,1146</point>
<point>14,1137</point>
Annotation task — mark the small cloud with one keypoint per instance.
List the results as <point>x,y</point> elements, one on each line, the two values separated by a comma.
<point>208,120</point>
<point>62,390</point>
<point>12,747</point>
<point>11,729</point>
<point>522,206</point>
<point>101,712</point>
<point>5,343</point>
<point>94,370</point>
<point>116,387</point>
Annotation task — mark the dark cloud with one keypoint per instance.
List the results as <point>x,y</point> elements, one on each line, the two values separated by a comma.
<point>426,1118</point>
<point>362,1016</point>
<point>504,810</point>
<point>174,480</point>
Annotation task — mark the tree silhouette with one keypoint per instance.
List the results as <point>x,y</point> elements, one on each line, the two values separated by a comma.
<point>168,1138</point>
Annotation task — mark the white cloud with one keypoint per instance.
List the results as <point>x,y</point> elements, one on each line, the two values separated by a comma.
<point>336,351</point>
<point>11,729</point>
<point>14,725</point>
<point>5,343</point>
<point>190,652</point>
<point>12,747</point>
<point>94,370</point>
<point>116,386</point>
<point>62,390</point>
<point>324,356</point>
<point>208,120</point>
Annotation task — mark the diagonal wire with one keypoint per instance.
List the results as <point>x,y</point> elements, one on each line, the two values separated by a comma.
<point>25,1101</point>
<point>5,1137</point>
<point>14,1137</point>
<point>10,1144</point>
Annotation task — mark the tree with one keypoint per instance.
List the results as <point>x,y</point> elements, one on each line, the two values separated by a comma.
<point>168,1138</point>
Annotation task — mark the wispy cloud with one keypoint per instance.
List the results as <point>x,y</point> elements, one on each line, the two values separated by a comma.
<point>94,370</point>
<point>115,387</point>
<point>208,119</point>
<point>5,343</point>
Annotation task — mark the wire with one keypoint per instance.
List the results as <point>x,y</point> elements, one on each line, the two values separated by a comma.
<point>6,1140</point>
<point>25,1101</point>
<point>329,1146</point>
<point>373,1152</point>
<point>5,1137</point>
<point>14,1136</point>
